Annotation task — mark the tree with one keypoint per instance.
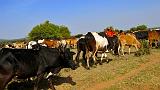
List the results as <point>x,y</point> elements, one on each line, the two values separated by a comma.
<point>142,27</point>
<point>133,29</point>
<point>65,31</point>
<point>138,28</point>
<point>48,30</point>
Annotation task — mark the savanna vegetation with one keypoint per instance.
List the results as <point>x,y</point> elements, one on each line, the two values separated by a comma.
<point>48,30</point>
<point>121,73</point>
<point>127,72</point>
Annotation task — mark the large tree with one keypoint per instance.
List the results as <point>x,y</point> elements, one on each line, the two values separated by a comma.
<point>48,30</point>
<point>138,28</point>
<point>141,27</point>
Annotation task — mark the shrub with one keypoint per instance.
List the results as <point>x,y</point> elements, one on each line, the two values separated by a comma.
<point>144,50</point>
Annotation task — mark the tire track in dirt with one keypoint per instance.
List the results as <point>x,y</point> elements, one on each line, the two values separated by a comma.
<point>107,84</point>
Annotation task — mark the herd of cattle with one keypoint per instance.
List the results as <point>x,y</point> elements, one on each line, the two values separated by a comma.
<point>35,59</point>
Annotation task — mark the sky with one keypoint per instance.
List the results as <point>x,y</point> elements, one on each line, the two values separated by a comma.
<point>18,17</point>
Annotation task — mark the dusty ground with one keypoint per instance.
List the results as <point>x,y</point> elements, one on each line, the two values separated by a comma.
<point>109,75</point>
<point>121,73</point>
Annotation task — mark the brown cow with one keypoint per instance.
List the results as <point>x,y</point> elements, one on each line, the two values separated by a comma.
<point>128,39</point>
<point>19,44</point>
<point>72,42</point>
<point>51,43</point>
<point>153,37</point>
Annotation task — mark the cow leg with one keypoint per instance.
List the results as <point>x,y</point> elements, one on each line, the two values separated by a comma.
<point>87,55</point>
<point>105,55</point>
<point>39,77</point>
<point>122,49</point>
<point>88,64</point>
<point>129,50</point>
<point>77,57</point>
<point>136,47</point>
<point>84,53</point>
<point>54,71</point>
<point>119,47</point>
<point>94,57</point>
<point>4,81</point>
<point>150,43</point>
<point>101,58</point>
<point>156,43</point>
<point>51,84</point>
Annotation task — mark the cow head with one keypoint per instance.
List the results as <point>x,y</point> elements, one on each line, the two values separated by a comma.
<point>31,44</point>
<point>67,58</point>
<point>138,44</point>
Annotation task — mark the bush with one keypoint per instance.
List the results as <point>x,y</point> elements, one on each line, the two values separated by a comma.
<point>144,50</point>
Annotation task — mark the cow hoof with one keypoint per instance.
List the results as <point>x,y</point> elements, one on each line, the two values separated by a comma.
<point>95,64</point>
<point>87,68</point>
<point>107,61</point>
<point>100,63</point>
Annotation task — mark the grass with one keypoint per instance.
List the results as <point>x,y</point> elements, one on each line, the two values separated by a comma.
<point>80,79</point>
<point>147,79</point>
<point>109,71</point>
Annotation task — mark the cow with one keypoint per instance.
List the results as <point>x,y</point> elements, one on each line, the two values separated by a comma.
<point>19,44</point>
<point>72,42</point>
<point>81,46</point>
<point>93,43</point>
<point>63,43</point>
<point>30,44</point>
<point>25,63</point>
<point>9,46</point>
<point>141,35</point>
<point>153,37</point>
<point>128,39</point>
<point>35,45</point>
<point>51,43</point>
<point>2,45</point>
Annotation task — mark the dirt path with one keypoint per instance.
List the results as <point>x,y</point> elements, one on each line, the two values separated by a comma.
<point>102,85</point>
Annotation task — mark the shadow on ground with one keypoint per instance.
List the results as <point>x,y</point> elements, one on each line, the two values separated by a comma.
<point>44,84</point>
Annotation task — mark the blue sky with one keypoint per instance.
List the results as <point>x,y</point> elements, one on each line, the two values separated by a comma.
<point>18,17</point>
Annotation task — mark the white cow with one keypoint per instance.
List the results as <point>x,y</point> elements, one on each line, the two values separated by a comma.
<point>94,43</point>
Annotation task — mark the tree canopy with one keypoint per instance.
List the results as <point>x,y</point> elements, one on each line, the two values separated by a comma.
<point>48,30</point>
<point>138,28</point>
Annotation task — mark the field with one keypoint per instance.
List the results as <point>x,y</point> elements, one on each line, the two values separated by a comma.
<point>121,73</point>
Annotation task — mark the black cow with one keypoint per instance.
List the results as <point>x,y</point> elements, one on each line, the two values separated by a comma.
<point>81,46</point>
<point>141,35</point>
<point>25,63</point>
<point>113,43</point>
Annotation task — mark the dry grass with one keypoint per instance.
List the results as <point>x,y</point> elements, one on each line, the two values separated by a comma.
<point>114,72</point>
<point>119,66</point>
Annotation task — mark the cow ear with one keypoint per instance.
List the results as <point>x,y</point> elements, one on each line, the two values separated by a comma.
<point>73,53</point>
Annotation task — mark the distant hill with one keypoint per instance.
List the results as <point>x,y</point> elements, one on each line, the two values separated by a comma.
<point>13,40</point>
<point>3,40</point>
